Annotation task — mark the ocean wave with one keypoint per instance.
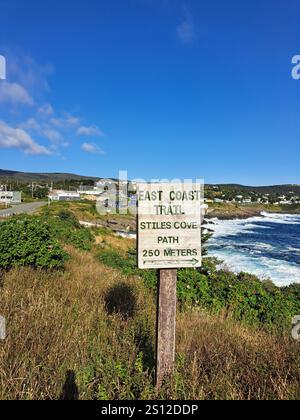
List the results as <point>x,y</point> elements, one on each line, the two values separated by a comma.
<point>237,226</point>
<point>267,246</point>
<point>293,219</point>
<point>281,272</point>
<point>232,227</point>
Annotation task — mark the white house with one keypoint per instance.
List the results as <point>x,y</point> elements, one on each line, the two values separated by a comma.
<point>64,196</point>
<point>105,184</point>
<point>10,197</point>
<point>239,198</point>
<point>90,192</point>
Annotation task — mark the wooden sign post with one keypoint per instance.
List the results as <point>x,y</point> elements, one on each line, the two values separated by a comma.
<point>169,237</point>
<point>166,325</point>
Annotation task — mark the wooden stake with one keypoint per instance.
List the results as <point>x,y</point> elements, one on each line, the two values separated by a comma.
<point>166,325</point>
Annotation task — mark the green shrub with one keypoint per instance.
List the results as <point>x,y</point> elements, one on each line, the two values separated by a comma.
<point>243,296</point>
<point>28,242</point>
<point>128,265</point>
<point>66,228</point>
<point>69,218</point>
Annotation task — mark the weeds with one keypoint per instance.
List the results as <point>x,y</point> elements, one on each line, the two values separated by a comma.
<point>88,332</point>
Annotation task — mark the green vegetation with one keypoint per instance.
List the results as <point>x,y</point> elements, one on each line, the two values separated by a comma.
<point>243,296</point>
<point>243,211</point>
<point>29,242</point>
<point>82,210</point>
<point>38,241</point>
<point>88,331</point>
<point>66,228</point>
<point>25,177</point>
<point>238,201</point>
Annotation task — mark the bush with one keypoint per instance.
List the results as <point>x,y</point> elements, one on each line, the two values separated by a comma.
<point>128,265</point>
<point>243,296</point>
<point>28,242</point>
<point>66,228</point>
<point>68,218</point>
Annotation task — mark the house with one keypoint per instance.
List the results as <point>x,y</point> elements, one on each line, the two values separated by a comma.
<point>10,197</point>
<point>59,195</point>
<point>239,198</point>
<point>91,194</point>
<point>105,184</point>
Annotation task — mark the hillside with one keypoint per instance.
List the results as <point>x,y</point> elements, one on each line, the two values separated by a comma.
<point>90,334</point>
<point>87,330</point>
<point>228,211</point>
<point>271,189</point>
<point>10,176</point>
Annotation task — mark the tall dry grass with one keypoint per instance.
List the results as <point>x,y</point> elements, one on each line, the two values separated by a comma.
<point>89,333</point>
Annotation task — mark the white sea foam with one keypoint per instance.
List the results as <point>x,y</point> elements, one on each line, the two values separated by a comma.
<point>290,219</point>
<point>292,248</point>
<point>231,227</point>
<point>252,257</point>
<point>247,256</point>
<point>237,226</point>
<point>281,272</point>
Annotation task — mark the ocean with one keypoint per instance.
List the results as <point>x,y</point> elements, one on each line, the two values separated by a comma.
<point>267,246</point>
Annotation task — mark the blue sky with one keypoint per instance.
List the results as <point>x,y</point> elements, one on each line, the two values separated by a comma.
<point>161,88</point>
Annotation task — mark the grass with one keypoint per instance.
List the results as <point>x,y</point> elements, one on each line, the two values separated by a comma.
<point>88,333</point>
<point>84,211</point>
<point>242,296</point>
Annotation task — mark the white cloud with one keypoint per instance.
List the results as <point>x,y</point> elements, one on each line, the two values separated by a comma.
<point>186,29</point>
<point>27,86</point>
<point>31,124</point>
<point>42,129</point>
<point>14,94</point>
<point>2,67</point>
<point>72,121</point>
<point>46,110</point>
<point>92,148</point>
<point>27,72</point>
<point>52,135</point>
<point>17,138</point>
<point>92,131</point>
<point>69,121</point>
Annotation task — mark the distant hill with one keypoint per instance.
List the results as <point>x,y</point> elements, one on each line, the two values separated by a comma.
<point>10,176</point>
<point>7,175</point>
<point>271,189</point>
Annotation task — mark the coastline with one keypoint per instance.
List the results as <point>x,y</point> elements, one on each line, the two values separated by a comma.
<point>243,212</point>
<point>266,245</point>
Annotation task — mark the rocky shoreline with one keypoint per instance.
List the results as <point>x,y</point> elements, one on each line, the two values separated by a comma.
<point>246,212</point>
<point>127,224</point>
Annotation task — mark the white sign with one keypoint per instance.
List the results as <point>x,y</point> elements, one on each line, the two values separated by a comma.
<point>169,225</point>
